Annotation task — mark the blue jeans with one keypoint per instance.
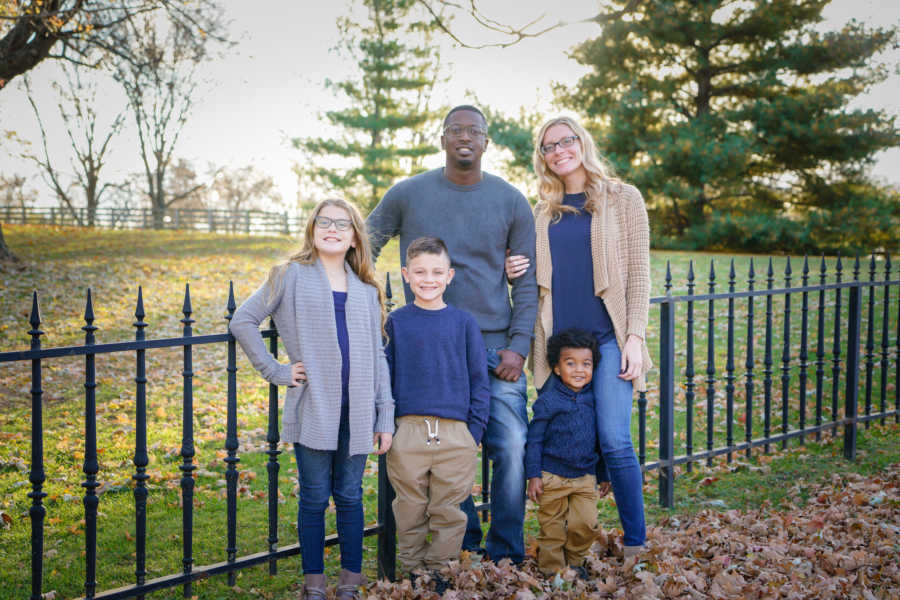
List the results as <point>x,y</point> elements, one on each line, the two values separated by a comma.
<point>504,444</point>
<point>325,473</point>
<point>613,400</point>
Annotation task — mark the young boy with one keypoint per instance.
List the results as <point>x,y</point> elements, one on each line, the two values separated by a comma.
<point>440,384</point>
<point>561,457</point>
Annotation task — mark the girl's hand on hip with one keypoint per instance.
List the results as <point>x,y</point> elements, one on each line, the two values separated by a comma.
<point>632,359</point>
<point>516,265</point>
<point>535,488</point>
<point>298,373</point>
<point>382,441</point>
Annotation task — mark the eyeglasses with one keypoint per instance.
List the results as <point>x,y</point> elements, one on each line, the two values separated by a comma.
<point>457,130</point>
<point>566,142</point>
<point>339,224</point>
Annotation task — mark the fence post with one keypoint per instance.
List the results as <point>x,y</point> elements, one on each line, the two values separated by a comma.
<point>851,396</point>
<point>287,224</point>
<point>387,537</point>
<point>666,402</point>
<point>37,512</point>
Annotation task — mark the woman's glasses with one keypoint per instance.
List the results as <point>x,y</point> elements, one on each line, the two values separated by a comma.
<point>566,142</point>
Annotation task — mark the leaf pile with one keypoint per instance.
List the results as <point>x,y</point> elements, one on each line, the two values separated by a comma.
<point>843,542</point>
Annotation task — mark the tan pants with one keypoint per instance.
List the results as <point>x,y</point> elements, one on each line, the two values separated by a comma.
<point>431,481</point>
<point>568,518</point>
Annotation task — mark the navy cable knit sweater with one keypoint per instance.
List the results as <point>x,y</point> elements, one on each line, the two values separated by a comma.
<point>562,436</point>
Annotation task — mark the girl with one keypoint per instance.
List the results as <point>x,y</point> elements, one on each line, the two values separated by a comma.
<point>327,307</point>
<point>593,272</point>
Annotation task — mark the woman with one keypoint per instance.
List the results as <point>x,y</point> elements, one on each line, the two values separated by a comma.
<point>593,272</point>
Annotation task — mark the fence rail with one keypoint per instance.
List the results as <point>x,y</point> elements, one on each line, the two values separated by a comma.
<point>197,219</point>
<point>849,356</point>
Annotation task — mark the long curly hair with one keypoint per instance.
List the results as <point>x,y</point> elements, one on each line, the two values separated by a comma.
<point>359,257</point>
<point>551,188</point>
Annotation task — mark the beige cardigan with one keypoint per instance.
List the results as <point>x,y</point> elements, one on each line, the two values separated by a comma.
<point>620,248</point>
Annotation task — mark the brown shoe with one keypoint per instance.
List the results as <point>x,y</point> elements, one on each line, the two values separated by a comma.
<point>630,551</point>
<point>349,584</point>
<point>313,587</point>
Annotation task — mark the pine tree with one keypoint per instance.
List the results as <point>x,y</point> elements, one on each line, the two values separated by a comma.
<point>385,130</point>
<point>737,112</point>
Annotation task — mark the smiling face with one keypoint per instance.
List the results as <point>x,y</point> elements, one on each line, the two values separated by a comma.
<point>564,162</point>
<point>331,240</point>
<point>464,150</point>
<point>428,276</point>
<point>575,367</point>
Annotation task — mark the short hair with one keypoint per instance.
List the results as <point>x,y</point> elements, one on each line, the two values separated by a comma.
<point>468,107</point>
<point>426,245</point>
<point>571,338</point>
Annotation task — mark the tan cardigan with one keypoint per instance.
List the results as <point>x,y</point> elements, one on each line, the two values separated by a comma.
<point>620,248</point>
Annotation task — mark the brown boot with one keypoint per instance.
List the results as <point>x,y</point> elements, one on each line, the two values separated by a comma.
<point>349,584</point>
<point>313,587</point>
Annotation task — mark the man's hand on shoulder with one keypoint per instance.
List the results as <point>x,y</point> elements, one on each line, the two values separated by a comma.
<point>511,365</point>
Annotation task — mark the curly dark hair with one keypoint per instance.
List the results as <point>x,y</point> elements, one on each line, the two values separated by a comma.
<point>571,338</point>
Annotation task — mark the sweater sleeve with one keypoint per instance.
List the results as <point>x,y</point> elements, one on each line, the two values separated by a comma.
<point>479,384</point>
<point>534,442</point>
<point>384,221</point>
<point>524,289</point>
<point>637,288</point>
<point>244,327</point>
<point>384,401</point>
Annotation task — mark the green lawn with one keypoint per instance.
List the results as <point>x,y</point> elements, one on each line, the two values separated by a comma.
<point>61,263</point>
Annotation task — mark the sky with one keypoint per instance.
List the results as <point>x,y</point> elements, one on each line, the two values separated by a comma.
<point>269,87</point>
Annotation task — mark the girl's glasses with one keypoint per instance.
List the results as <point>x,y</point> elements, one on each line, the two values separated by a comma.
<point>339,224</point>
<point>566,142</point>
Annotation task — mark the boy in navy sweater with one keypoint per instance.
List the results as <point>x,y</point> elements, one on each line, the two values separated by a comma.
<point>561,456</point>
<point>439,379</point>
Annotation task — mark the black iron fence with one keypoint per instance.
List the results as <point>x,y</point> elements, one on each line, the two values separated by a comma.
<point>195,219</point>
<point>835,404</point>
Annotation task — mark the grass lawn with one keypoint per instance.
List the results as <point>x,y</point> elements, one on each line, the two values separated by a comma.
<point>62,262</point>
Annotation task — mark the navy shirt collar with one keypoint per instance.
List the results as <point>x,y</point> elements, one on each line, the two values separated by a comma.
<point>563,389</point>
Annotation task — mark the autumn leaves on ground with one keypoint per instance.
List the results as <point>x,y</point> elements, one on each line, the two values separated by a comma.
<point>804,524</point>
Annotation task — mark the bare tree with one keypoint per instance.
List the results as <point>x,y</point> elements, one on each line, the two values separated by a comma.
<point>13,192</point>
<point>82,32</point>
<point>245,188</point>
<point>160,80</point>
<point>88,138</point>
<point>443,11</point>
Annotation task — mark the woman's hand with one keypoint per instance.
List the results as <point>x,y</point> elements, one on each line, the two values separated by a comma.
<point>603,488</point>
<point>632,359</point>
<point>516,265</point>
<point>382,442</point>
<point>298,374</point>
<point>535,488</point>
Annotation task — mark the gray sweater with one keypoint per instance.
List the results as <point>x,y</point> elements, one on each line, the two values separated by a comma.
<point>303,311</point>
<point>478,223</point>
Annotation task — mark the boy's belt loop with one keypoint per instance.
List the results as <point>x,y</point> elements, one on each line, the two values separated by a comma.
<point>432,435</point>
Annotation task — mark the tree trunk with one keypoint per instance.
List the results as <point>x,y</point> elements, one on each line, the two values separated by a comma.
<point>5,254</point>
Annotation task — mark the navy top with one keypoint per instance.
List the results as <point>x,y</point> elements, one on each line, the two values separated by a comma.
<point>562,436</point>
<point>573,274</point>
<point>438,365</point>
<point>340,319</point>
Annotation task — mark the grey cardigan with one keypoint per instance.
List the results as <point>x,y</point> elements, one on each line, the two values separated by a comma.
<point>303,311</point>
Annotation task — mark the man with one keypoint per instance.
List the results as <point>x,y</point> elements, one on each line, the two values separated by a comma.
<point>479,216</point>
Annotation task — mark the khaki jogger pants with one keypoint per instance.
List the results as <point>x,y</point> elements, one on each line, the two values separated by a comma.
<point>431,465</point>
<point>568,518</point>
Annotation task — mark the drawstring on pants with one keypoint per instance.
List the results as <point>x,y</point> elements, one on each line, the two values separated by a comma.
<point>432,435</point>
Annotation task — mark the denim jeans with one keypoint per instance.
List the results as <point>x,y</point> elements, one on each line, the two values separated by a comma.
<point>325,473</point>
<point>613,400</point>
<point>504,444</point>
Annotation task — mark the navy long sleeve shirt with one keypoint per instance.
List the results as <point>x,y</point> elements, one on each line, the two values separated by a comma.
<point>574,302</point>
<point>562,436</point>
<point>438,365</point>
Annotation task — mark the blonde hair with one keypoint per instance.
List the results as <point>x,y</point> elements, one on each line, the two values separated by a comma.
<point>359,257</point>
<point>551,188</point>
